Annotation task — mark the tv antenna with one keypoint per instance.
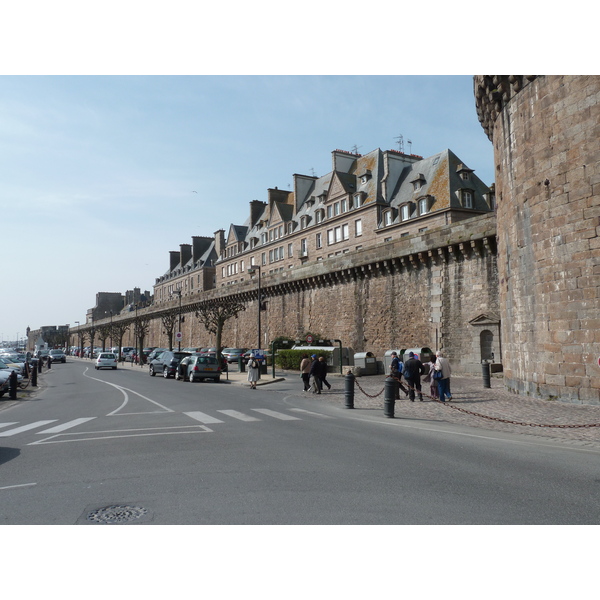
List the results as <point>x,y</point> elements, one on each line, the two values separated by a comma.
<point>355,149</point>
<point>400,141</point>
<point>409,146</point>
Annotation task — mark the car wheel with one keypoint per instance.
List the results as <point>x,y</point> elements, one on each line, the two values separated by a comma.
<point>217,380</point>
<point>166,373</point>
<point>177,378</point>
<point>191,378</point>
<point>114,368</point>
<point>151,371</point>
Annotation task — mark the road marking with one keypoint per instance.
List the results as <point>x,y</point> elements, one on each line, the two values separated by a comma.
<point>275,414</point>
<point>8,424</point>
<point>125,433</point>
<point>26,428</point>
<point>238,415</point>
<point>67,425</point>
<point>10,487</point>
<point>202,417</point>
<point>310,412</point>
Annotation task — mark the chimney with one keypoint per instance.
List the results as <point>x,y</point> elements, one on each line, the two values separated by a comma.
<point>200,244</point>
<point>220,242</point>
<point>185,250</point>
<point>256,210</point>
<point>174,258</point>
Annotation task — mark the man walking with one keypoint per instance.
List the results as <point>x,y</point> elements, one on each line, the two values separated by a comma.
<point>315,375</point>
<point>443,364</point>
<point>413,369</point>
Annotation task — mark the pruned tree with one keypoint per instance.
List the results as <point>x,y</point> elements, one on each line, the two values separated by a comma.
<point>118,330</point>
<point>141,325</point>
<point>215,313</point>
<point>103,334</point>
<point>169,319</point>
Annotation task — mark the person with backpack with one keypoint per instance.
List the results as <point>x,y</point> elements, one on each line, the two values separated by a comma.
<point>396,368</point>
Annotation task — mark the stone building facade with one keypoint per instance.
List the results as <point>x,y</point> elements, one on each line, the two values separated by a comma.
<point>546,136</point>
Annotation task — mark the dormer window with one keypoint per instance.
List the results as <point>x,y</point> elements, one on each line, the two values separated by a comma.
<point>423,206</point>
<point>418,182</point>
<point>303,222</point>
<point>405,212</point>
<point>319,215</point>
<point>365,176</point>
<point>463,172</point>
<point>358,200</point>
<point>466,198</point>
<point>388,217</point>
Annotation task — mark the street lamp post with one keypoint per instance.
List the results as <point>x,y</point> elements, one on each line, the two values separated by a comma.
<point>251,271</point>
<point>178,293</point>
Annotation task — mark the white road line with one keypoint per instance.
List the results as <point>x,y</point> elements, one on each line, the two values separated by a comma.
<point>202,417</point>
<point>67,425</point>
<point>10,487</point>
<point>275,414</point>
<point>122,434</point>
<point>238,415</point>
<point>26,428</point>
<point>310,412</point>
<point>8,424</point>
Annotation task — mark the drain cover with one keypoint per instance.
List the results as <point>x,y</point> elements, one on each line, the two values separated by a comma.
<point>117,514</point>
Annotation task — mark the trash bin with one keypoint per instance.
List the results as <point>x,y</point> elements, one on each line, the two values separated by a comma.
<point>367,363</point>
<point>241,364</point>
<point>423,354</point>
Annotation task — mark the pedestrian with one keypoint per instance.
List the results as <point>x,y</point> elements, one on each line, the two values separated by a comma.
<point>252,371</point>
<point>305,371</point>
<point>396,368</point>
<point>433,386</point>
<point>413,369</point>
<point>323,374</point>
<point>315,375</point>
<point>442,364</point>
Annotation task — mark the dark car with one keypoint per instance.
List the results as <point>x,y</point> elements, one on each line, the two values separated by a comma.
<point>155,354</point>
<point>166,363</point>
<point>199,367</point>
<point>57,356</point>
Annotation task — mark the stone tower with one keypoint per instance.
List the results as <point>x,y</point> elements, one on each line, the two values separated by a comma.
<point>546,136</point>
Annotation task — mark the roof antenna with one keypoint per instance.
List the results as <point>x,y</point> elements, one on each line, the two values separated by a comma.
<point>400,141</point>
<point>312,171</point>
<point>355,149</point>
<point>409,146</point>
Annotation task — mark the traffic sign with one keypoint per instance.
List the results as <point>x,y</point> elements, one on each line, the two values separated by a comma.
<point>179,336</point>
<point>309,339</point>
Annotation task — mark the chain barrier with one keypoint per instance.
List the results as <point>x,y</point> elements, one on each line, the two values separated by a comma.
<point>475,414</point>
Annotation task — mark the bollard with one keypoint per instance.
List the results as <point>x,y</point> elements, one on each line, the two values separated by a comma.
<point>241,365</point>
<point>49,361</point>
<point>349,390</point>
<point>33,373</point>
<point>13,383</point>
<point>39,364</point>
<point>485,369</point>
<point>389,397</point>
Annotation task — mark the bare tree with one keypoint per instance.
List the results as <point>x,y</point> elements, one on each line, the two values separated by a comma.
<point>215,313</point>
<point>118,329</point>
<point>169,320</point>
<point>104,334</point>
<point>141,325</point>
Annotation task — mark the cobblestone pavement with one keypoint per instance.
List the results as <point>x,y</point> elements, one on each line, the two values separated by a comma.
<point>468,394</point>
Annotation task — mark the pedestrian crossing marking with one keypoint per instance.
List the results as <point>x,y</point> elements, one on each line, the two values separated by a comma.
<point>275,414</point>
<point>67,425</point>
<point>202,417</point>
<point>25,428</point>
<point>310,412</point>
<point>238,415</point>
<point>8,424</point>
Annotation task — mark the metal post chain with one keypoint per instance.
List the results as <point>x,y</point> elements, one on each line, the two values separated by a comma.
<point>475,414</point>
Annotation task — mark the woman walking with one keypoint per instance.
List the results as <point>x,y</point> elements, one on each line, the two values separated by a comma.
<point>305,371</point>
<point>252,371</point>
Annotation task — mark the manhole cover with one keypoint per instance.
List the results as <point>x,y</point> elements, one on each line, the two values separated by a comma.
<point>117,514</point>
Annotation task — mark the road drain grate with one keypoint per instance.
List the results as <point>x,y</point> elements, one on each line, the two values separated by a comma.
<point>117,514</point>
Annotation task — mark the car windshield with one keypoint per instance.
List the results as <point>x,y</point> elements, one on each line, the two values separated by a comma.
<point>180,355</point>
<point>107,355</point>
<point>56,351</point>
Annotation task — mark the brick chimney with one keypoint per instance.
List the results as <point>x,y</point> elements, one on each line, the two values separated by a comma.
<point>219,242</point>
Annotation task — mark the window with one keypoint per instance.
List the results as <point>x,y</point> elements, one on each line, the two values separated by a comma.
<point>467,198</point>
<point>263,258</point>
<point>357,200</point>
<point>358,227</point>
<point>319,216</point>
<point>345,234</point>
<point>405,212</point>
<point>329,211</point>
<point>423,206</point>
<point>290,250</point>
<point>336,209</point>
<point>416,185</point>
<point>330,237</point>
<point>387,218</point>
<point>338,234</point>
<point>303,222</point>
<point>319,240</point>
<point>388,239</point>
<point>344,206</point>
<point>303,248</point>
<point>465,175</point>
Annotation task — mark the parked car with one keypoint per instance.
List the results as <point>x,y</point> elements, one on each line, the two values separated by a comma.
<point>12,365</point>
<point>232,354</point>
<point>222,360</point>
<point>57,356</point>
<point>127,351</point>
<point>199,367</point>
<point>155,354</point>
<point>166,363</point>
<point>106,360</point>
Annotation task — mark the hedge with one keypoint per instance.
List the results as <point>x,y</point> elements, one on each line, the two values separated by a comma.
<point>291,359</point>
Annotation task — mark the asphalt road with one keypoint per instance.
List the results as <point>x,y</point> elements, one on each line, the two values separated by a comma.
<point>98,447</point>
